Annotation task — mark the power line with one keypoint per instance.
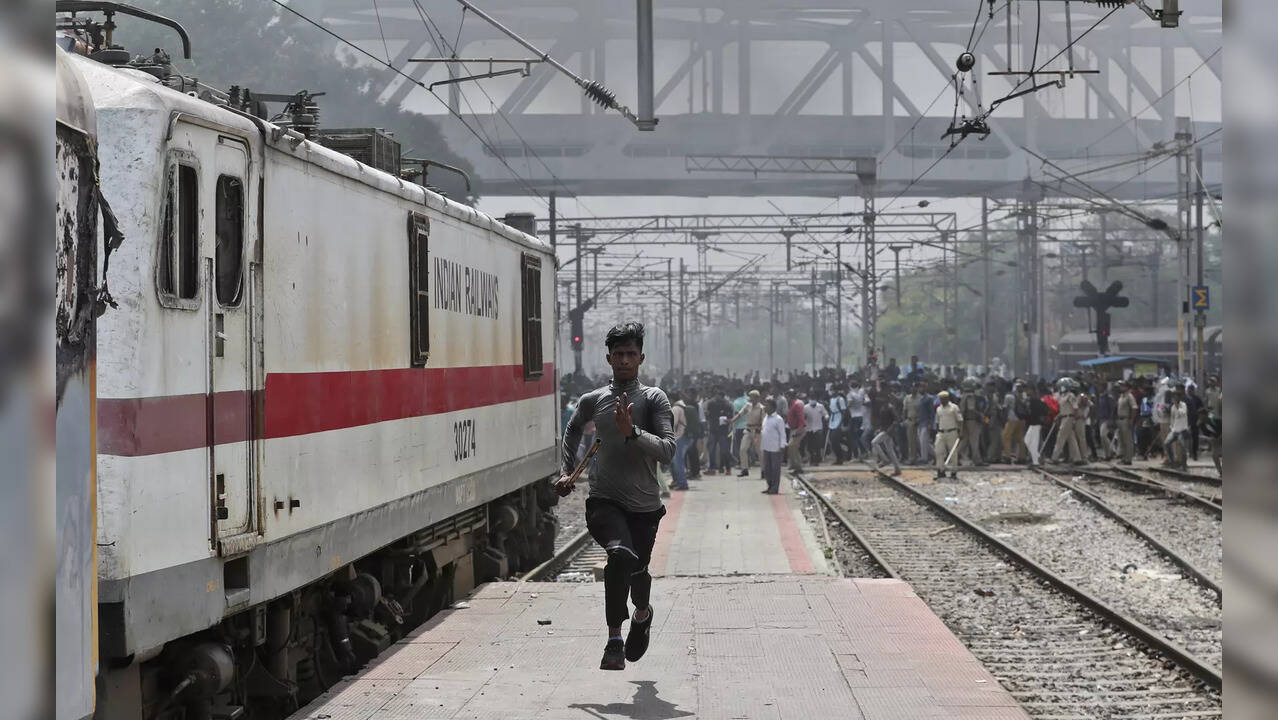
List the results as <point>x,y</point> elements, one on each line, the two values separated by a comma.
<point>990,110</point>
<point>1155,101</point>
<point>453,49</point>
<point>414,81</point>
<point>385,48</point>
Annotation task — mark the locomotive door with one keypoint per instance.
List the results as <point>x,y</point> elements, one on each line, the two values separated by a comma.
<point>231,364</point>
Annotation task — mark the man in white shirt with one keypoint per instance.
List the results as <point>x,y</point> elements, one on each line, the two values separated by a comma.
<point>856,418</point>
<point>772,443</point>
<point>1178,433</point>
<point>816,415</point>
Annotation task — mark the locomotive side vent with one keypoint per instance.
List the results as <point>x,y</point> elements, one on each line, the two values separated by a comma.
<point>372,146</point>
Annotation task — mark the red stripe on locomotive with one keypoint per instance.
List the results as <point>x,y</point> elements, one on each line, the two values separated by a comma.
<point>304,403</point>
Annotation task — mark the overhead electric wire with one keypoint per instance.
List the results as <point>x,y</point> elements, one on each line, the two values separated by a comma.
<point>416,82</point>
<point>990,110</point>
<point>438,39</point>
<point>386,48</point>
<point>428,22</point>
<point>1155,101</point>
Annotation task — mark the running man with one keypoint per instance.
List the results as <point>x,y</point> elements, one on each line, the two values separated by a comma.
<point>634,425</point>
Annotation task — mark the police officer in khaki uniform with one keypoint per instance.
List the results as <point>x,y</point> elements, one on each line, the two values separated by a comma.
<point>1083,415</point>
<point>949,420</point>
<point>1066,435</point>
<point>1126,412</point>
<point>972,406</point>
<point>912,425</point>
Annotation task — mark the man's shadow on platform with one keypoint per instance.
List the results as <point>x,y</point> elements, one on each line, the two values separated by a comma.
<point>645,705</point>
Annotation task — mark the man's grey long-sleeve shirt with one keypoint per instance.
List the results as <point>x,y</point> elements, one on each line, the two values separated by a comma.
<point>624,470</point>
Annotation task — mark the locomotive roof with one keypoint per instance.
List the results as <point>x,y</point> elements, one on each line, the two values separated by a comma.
<point>75,106</point>
<point>127,88</point>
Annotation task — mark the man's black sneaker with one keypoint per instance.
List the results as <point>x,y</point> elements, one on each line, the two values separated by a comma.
<point>614,657</point>
<point>637,638</point>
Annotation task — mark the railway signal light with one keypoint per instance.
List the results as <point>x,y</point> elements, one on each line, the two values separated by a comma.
<point>1101,302</point>
<point>575,317</point>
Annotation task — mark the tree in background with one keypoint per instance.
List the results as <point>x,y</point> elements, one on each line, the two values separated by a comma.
<point>256,45</point>
<point>1136,255</point>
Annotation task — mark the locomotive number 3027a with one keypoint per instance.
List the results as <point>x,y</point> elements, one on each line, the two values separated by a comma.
<point>463,440</point>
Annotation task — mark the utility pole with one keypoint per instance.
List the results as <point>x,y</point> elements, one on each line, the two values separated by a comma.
<point>985,298</point>
<point>1104,254</point>
<point>772,323</point>
<point>1018,284</point>
<point>896,251</point>
<point>1155,260</point>
<point>553,220</point>
<point>1184,201</point>
<point>576,351</point>
<point>814,321</point>
<point>683,311</point>
<point>869,280</point>
<point>945,300</point>
<point>1030,275</point>
<point>1036,359</point>
<point>1200,318</point>
<point>594,272</point>
<point>867,176</point>
<point>670,316</point>
<point>838,301</point>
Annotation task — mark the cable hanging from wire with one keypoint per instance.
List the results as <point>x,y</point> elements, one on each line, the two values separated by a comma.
<point>487,145</point>
<point>975,123</point>
<point>437,37</point>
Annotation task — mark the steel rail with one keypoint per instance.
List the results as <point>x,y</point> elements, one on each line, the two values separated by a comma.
<point>1131,525</point>
<point>558,560</point>
<point>1180,655</point>
<point>847,525</point>
<point>1135,478</point>
<point>1183,475</point>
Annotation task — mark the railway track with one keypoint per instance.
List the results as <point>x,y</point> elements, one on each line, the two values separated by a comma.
<point>1139,528</point>
<point>574,562</point>
<point>1185,475</point>
<point>1062,652</point>
<point>1187,523</point>
<point>1132,480</point>
<point>1187,485</point>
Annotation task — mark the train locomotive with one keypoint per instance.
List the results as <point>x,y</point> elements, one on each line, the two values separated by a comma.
<point>325,398</point>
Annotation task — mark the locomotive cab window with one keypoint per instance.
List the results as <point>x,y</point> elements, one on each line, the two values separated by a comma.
<point>419,287</point>
<point>178,264</point>
<point>230,239</point>
<point>531,296</point>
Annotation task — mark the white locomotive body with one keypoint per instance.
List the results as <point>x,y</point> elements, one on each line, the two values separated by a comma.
<point>322,401</point>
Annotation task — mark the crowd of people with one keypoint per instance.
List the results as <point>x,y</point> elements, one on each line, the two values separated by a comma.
<point>707,423</point>
<point>916,415</point>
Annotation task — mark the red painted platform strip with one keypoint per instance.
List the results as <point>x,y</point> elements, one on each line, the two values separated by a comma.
<point>303,403</point>
<point>666,533</point>
<point>795,552</point>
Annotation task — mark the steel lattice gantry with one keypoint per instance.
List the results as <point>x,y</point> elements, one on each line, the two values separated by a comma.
<point>797,78</point>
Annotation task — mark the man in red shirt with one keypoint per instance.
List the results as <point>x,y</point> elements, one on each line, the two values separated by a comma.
<point>798,423</point>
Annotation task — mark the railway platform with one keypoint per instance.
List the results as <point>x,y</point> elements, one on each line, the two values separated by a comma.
<point>750,624</point>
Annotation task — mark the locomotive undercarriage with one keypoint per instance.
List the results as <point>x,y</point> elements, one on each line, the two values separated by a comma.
<point>273,658</point>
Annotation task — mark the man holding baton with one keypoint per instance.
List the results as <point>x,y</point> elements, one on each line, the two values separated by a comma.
<point>634,432</point>
<point>949,420</point>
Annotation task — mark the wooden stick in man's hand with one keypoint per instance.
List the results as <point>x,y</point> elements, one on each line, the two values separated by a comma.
<point>565,484</point>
